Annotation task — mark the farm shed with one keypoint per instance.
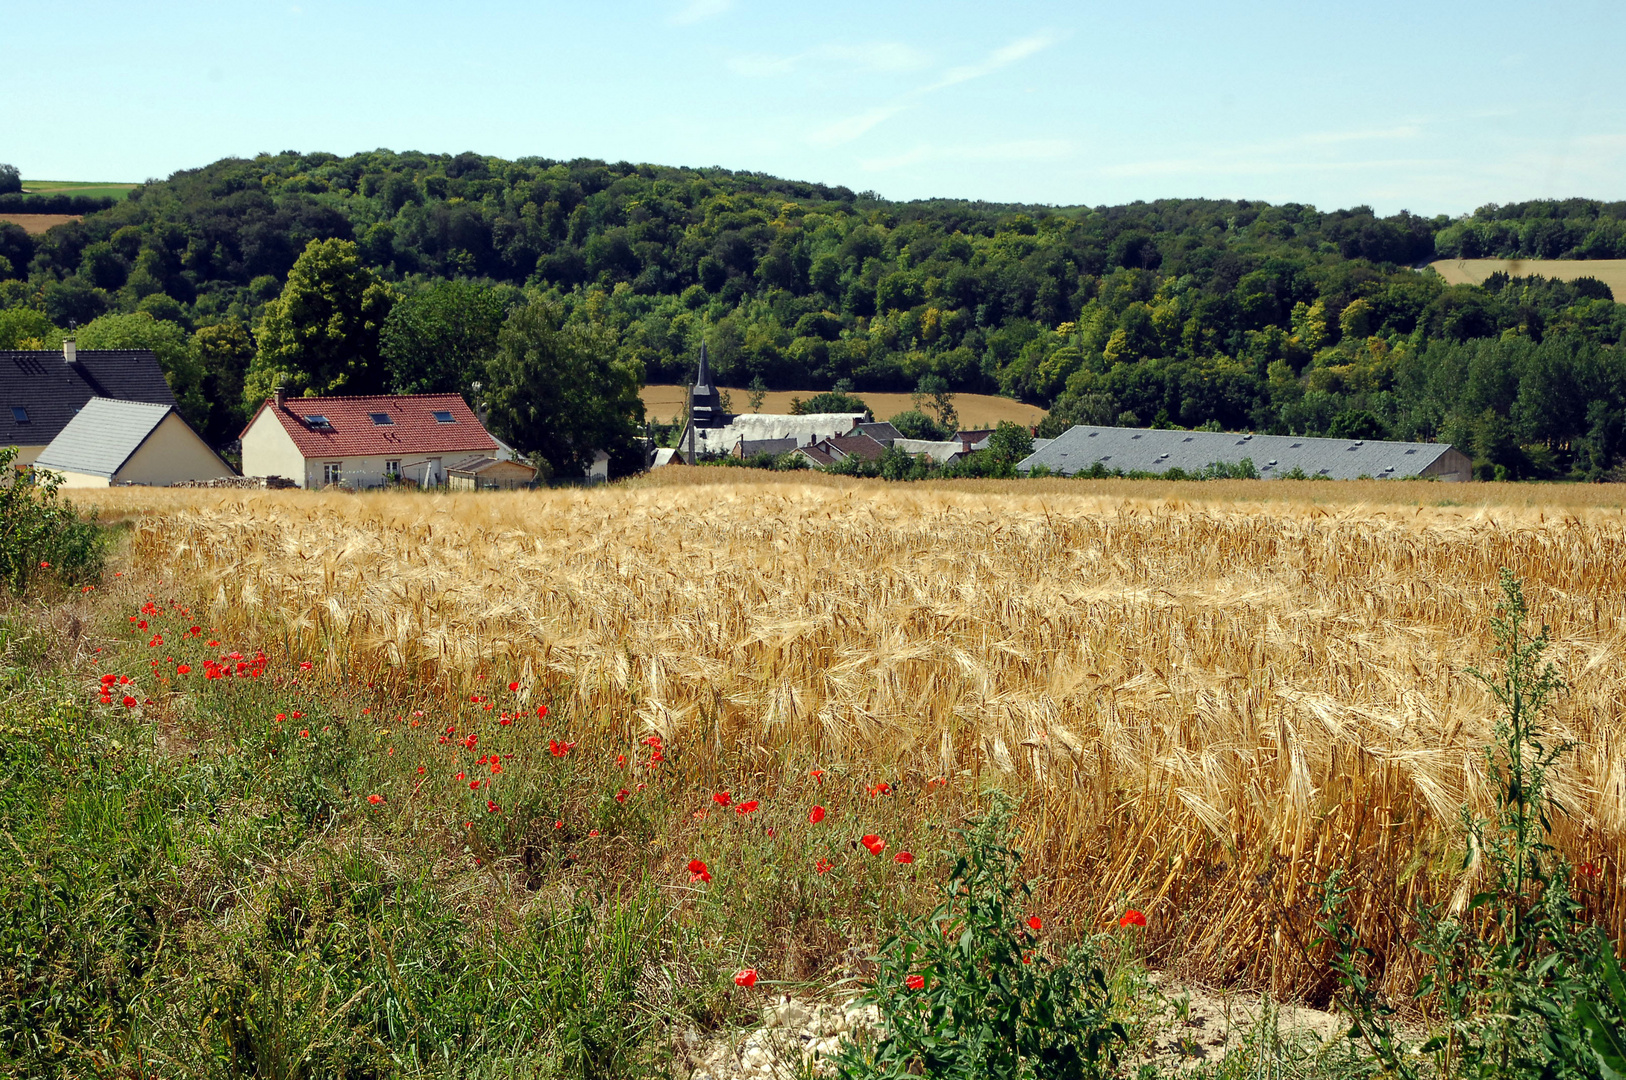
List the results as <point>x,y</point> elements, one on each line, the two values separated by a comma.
<point>129,442</point>
<point>941,453</point>
<point>363,441</point>
<point>42,389</point>
<point>1152,450</point>
<point>484,473</point>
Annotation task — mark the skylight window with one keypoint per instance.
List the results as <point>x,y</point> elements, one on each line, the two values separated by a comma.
<point>444,416</point>
<point>19,414</point>
<point>319,422</point>
<point>381,419</point>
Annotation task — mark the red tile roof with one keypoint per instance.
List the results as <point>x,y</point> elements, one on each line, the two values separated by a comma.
<point>350,431</point>
<point>860,446</point>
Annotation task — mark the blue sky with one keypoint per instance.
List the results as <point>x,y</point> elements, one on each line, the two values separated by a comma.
<point>1434,107</point>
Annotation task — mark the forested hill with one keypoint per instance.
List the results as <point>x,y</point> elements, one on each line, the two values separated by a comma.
<point>1186,312</point>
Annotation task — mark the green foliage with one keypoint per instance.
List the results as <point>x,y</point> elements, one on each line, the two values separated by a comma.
<point>1603,1014</point>
<point>41,536</point>
<point>555,389</point>
<point>994,1001</point>
<point>321,335</point>
<point>11,179</point>
<point>1509,980</point>
<point>439,340</point>
<point>1010,443</point>
<point>831,401</point>
<point>914,424</point>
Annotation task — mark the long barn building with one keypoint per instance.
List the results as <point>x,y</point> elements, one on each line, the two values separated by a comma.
<point>1151,450</point>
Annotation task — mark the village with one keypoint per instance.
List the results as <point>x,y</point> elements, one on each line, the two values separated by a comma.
<point>106,418</point>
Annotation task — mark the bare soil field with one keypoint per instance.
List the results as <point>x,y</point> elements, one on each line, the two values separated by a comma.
<point>37,224</point>
<point>1612,272</point>
<point>1206,696</point>
<point>663,402</point>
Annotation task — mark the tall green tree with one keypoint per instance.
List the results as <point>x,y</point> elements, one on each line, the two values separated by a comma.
<point>321,336</point>
<point>11,179</point>
<point>224,352</point>
<point>438,340</point>
<point>558,392</point>
<point>172,346</point>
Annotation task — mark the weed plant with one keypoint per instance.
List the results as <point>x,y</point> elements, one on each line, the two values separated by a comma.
<point>41,535</point>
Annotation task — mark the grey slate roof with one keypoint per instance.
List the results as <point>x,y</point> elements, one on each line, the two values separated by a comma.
<point>881,431</point>
<point>52,390</point>
<point>753,447</point>
<point>1157,451</point>
<point>101,438</point>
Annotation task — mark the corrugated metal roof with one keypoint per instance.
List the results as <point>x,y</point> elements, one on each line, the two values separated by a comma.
<point>101,438</point>
<point>1157,451</point>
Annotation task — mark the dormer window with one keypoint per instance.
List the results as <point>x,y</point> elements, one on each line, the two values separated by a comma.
<point>443,416</point>
<point>19,414</point>
<point>318,422</point>
<point>381,419</point>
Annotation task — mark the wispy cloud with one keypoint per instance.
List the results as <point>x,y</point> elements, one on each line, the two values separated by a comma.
<point>699,10</point>
<point>849,128</point>
<point>999,58</point>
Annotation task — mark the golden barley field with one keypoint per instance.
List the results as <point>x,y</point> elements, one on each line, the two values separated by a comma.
<point>1612,272</point>
<point>1206,695</point>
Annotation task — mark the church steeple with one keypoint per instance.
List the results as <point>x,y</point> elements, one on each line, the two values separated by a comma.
<point>705,403</point>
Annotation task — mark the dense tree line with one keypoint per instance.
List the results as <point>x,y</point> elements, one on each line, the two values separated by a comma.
<point>1184,312</point>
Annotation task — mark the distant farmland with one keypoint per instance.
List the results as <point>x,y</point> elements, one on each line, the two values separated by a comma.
<point>1612,272</point>
<point>37,224</point>
<point>93,189</point>
<point>976,410</point>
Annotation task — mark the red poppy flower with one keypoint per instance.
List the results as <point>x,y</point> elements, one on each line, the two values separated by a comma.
<point>142,624</point>
<point>1589,869</point>
<point>620,761</point>
<point>470,741</point>
<point>875,844</point>
<point>816,814</point>
<point>420,770</point>
<point>621,796</point>
<point>513,686</point>
<point>653,740</point>
<point>594,832</point>
<point>698,871</point>
<point>129,702</point>
<point>722,798</point>
<point>746,978</point>
<point>558,824</point>
<point>109,679</point>
<point>194,630</point>
<point>915,982</point>
<point>880,788</point>
<point>746,808</point>
<point>1132,918</point>
<point>375,799</point>
<point>823,866</point>
<point>1035,923</point>
<point>474,785</point>
<point>124,680</point>
<point>459,776</point>
<point>560,749</point>
<point>304,733</point>
<point>298,715</point>
<point>817,774</point>
<point>496,766</point>
<point>903,857</point>
<point>304,665</point>
<point>492,808</point>
<point>541,710</point>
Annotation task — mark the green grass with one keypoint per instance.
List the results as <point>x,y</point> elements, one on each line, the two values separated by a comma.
<point>93,188</point>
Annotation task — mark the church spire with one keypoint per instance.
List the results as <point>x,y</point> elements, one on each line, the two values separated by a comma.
<point>705,403</point>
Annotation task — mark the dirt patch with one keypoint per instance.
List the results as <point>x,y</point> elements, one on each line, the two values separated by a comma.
<point>36,224</point>
<point>663,402</point>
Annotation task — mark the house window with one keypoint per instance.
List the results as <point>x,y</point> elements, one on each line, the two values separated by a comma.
<point>443,416</point>
<point>392,469</point>
<point>331,472</point>
<point>319,422</point>
<point>19,414</point>
<point>381,419</point>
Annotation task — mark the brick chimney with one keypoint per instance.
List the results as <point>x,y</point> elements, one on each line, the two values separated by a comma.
<point>282,396</point>
<point>70,350</point>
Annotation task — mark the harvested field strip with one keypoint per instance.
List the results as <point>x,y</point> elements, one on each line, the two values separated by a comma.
<point>976,410</point>
<point>1612,272</point>
<point>39,224</point>
<point>1205,706</point>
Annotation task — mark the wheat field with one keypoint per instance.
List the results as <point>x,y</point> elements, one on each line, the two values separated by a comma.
<point>1206,696</point>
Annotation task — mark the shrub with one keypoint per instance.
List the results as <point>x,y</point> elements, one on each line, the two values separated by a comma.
<point>40,535</point>
<point>971,991</point>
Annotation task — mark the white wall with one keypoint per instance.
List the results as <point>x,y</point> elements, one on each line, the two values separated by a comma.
<point>268,450</point>
<point>172,453</point>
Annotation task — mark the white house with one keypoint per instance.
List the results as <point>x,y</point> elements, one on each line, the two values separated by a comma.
<point>129,442</point>
<point>363,441</point>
